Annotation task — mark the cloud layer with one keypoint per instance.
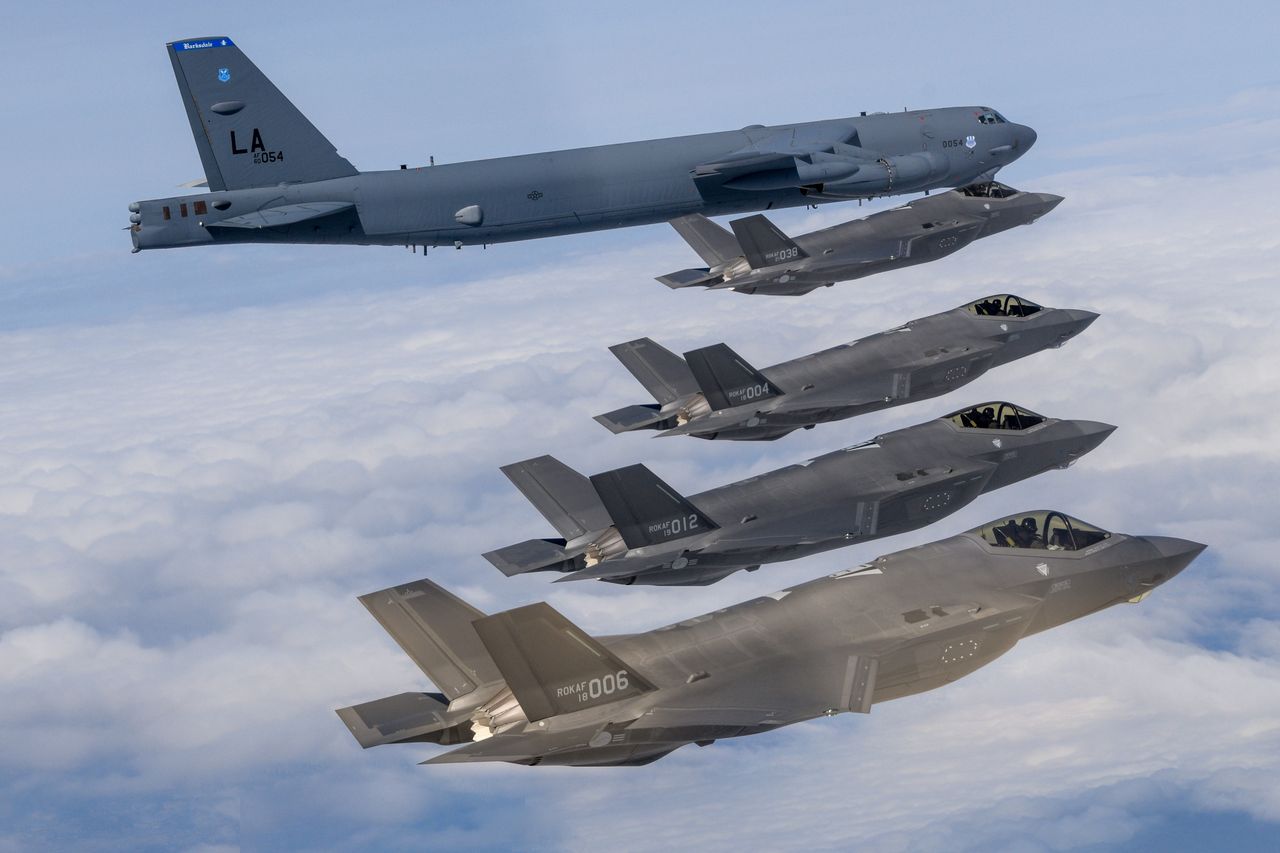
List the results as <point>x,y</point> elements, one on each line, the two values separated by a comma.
<point>190,502</point>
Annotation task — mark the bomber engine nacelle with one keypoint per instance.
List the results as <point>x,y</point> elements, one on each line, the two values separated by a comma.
<point>845,171</point>
<point>886,174</point>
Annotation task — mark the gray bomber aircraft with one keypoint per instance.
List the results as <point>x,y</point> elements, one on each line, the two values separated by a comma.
<point>529,687</point>
<point>627,526</point>
<point>757,257</point>
<point>273,177</point>
<point>714,393</point>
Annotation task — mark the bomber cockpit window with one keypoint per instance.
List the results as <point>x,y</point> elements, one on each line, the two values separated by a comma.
<point>997,415</point>
<point>1003,305</point>
<point>1049,530</point>
<point>990,116</point>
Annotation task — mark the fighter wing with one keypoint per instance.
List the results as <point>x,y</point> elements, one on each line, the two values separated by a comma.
<point>580,747</point>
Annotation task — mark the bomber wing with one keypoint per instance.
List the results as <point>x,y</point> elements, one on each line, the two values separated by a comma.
<point>783,157</point>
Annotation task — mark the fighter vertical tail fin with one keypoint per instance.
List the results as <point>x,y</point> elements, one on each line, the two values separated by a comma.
<point>713,243</point>
<point>247,132</point>
<point>646,510</point>
<point>434,627</point>
<point>763,243</point>
<point>726,379</point>
<point>551,665</point>
<point>563,496</point>
<point>663,373</point>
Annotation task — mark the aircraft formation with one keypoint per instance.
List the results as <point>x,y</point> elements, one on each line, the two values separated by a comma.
<point>528,686</point>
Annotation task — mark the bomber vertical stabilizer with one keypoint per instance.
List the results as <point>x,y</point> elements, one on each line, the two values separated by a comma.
<point>247,132</point>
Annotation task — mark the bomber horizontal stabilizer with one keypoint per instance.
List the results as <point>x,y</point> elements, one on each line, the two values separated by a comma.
<point>286,214</point>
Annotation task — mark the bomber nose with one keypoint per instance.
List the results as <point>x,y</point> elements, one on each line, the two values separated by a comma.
<point>1023,137</point>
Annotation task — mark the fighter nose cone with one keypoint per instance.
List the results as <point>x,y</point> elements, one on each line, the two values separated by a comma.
<point>1093,433</point>
<point>1080,319</point>
<point>1178,553</point>
<point>1048,201</point>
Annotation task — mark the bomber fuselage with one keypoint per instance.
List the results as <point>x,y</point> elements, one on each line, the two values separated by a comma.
<point>578,190</point>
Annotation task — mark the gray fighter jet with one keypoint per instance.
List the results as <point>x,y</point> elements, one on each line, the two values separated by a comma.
<point>714,393</point>
<point>275,178</point>
<point>759,258</point>
<point>627,526</point>
<point>528,687</point>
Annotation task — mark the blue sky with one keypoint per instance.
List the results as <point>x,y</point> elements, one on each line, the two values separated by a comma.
<point>209,453</point>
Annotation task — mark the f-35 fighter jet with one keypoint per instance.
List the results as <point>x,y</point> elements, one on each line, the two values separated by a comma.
<point>759,258</point>
<point>527,686</point>
<point>274,178</point>
<point>627,526</point>
<point>714,393</point>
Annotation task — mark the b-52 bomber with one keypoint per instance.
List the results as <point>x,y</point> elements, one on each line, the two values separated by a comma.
<point>757,257</point>
<point>627,526</point>
<point>274,178</point>
<point>527,686</point>
<point>714,393</point>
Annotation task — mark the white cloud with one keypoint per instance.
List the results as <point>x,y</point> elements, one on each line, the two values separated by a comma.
<point>189,504</point>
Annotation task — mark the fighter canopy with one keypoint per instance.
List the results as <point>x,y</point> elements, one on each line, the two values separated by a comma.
<point>1003,305</point>
<point>1047,529</point>
<point>995,415</point>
